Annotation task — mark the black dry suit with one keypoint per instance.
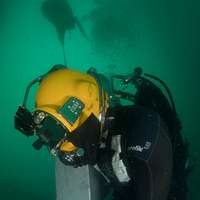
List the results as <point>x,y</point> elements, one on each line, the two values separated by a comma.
<point>144,156</point>
<point>138,157</point>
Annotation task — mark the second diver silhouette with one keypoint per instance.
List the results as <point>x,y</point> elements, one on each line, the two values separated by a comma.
<point>60,14</point>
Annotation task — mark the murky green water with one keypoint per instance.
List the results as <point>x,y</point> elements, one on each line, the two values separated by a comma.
<point>162,36</point>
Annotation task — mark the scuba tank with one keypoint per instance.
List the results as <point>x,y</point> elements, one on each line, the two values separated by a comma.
<point>149,95</point>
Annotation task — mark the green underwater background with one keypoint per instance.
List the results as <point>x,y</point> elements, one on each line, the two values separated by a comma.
<point>161,36</point>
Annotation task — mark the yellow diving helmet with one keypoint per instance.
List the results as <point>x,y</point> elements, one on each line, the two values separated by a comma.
<point>70,109</point>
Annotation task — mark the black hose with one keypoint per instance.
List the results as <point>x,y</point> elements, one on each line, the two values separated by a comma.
<point>166,87</point>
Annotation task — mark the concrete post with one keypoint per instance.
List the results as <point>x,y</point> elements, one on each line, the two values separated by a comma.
<point>82,183</point>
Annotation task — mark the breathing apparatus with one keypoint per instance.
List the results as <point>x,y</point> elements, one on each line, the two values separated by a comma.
<point>69,114</point>
<point>149,95</point>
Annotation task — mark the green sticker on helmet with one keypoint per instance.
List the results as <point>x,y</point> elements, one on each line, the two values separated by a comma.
<point>72,109</point>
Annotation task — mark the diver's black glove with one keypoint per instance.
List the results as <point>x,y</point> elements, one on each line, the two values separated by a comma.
<point>104,162</point>
<point>24,121</point>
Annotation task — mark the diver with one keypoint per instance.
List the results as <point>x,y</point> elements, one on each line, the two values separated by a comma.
<point>138,148</point>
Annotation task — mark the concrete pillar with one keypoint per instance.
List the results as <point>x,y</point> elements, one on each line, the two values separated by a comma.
<point>82,183</point>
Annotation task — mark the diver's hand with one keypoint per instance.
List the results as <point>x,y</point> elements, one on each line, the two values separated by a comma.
<point>104,162</point>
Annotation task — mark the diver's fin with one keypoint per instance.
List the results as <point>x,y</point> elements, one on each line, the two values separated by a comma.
<point>79,25</point>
